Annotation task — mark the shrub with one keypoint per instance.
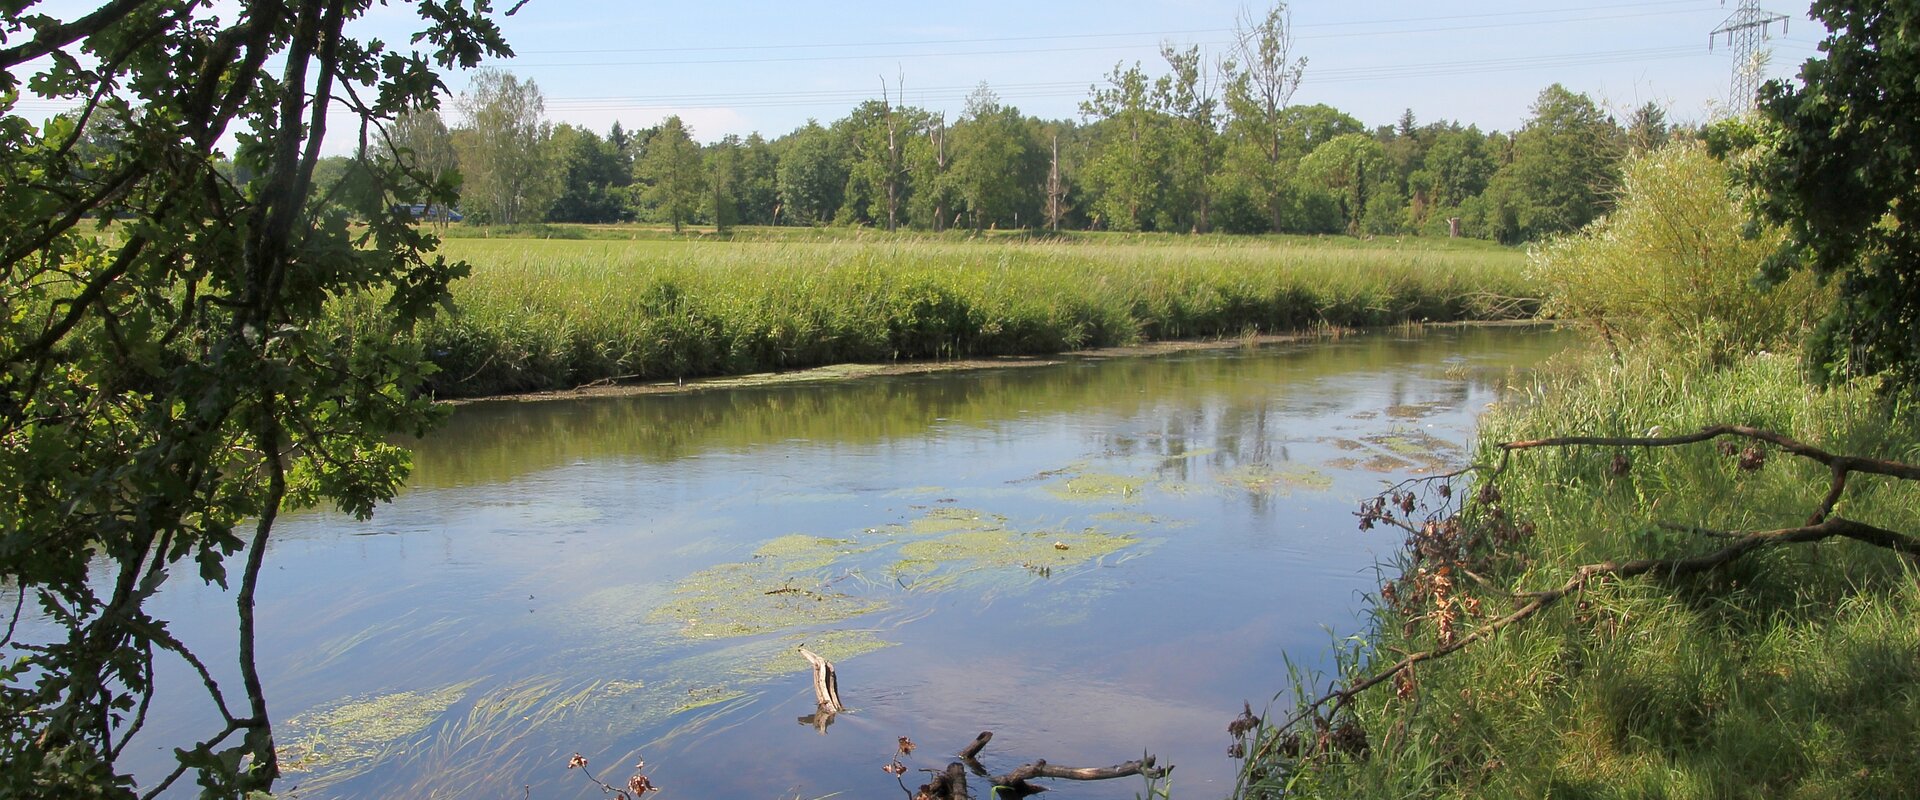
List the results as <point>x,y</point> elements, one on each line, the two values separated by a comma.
<point>1674,259</point>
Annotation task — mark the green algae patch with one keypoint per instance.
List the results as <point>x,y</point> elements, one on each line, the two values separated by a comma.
<point>752,598</point>
<point>1007,548</point>
<point>1386,463</point>
<point>1419,447</point>
<point>363,731</point>
<point>1264,479</point>
<point>802,553</point>
<point>719,677</point>
<point>1413,411</point>
<point>1201,452</point>
<point>1098,486</point>
<point>950,520</point>
<point>700,697</point>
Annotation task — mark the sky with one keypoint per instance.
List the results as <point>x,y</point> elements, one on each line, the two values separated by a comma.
<point>740,68</point>
<point>769,67</point>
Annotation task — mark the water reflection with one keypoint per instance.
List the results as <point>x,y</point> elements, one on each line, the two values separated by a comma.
<point>1092,559</point>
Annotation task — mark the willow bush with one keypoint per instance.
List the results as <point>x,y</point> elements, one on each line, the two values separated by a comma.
<point>1676,259</point>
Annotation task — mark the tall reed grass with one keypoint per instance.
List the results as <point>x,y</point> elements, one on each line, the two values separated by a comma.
<point>1792,672</point>
<point>554,313</point>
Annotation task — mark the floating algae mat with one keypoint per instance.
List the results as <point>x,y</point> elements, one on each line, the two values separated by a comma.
<point>1264,479</point>
<point>1098,486</point>
<point>755,597</point>
<point>799,581</point>
<point>1008,548</point>
<point>1420,447</point>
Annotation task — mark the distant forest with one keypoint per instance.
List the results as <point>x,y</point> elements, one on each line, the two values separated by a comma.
<point>1206,143</point>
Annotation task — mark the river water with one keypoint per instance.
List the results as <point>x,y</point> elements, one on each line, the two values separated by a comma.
<point>1094,560</point>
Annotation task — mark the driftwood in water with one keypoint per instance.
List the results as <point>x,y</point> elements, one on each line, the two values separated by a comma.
<point>952,784</point>
<point>826,684</point>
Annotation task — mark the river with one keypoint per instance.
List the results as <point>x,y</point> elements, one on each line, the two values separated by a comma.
<point>1094,560</point>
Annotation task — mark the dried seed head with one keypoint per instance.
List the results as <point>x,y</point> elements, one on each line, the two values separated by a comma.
<point>1752,458</point>
<point>1621,465</point>
<point>1404,685</point>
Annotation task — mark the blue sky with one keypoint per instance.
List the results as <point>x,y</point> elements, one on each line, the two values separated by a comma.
<point>768,67</point>
<point>736,68</point>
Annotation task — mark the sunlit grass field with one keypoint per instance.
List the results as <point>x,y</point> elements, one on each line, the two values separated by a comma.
<point>554,313</point>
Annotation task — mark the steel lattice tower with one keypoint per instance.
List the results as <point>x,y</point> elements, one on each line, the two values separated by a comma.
<point>1746,30</point>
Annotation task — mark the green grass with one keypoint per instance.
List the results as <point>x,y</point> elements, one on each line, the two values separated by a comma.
<point>1793,672</point>
<point>550,313</point>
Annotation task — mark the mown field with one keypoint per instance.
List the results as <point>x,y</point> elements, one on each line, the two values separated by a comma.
<point>559,312</point>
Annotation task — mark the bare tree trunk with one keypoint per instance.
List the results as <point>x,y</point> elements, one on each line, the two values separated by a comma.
<point>938,133</point>
<point>1054,191</point>
<point>893,158</point>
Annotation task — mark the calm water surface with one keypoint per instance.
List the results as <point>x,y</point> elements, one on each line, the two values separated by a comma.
<point>628,578</point>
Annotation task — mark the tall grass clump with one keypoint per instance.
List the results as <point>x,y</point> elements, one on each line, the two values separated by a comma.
<point>1676,260</point>
<point>554,314</point>
<point>1791,671</point>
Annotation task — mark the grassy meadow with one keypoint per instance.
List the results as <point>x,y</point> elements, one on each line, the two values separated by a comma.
<point>546,311</point>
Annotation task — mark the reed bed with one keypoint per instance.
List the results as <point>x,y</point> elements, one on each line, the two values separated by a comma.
<point>541,314</point>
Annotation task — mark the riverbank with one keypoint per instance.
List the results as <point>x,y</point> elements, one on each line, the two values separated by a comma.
<point>540,315</point>
<point>1792,671</point>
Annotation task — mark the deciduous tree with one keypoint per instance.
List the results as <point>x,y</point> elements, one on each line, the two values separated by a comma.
<point>1840,173</point>
<point>1261,76</point>
<point>511,175</point>
<point>671,175</point>
<point>169,383</point>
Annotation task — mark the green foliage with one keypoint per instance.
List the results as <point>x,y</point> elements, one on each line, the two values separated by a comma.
<point>1838,174</point>
<point>1565,164</point>
<point>511,174</point>
<point>989,171</point>
<point>1674,259</point>
<point>672,180</point>
<point>1127,175</point>
<point>172,380</point>
<point>1789,673</point>
<point>812,176</point>
<point>1356,168</point>
<point>554,314</point>
<point>1186,96</point>
<point>593,177</point>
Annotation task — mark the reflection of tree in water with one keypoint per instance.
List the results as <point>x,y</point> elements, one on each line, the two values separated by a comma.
<point>1236,397</point>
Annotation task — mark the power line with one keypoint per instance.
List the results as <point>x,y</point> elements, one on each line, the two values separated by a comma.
<point>1075,36</point>
<point>1050,50</point>
<point>1059,89</point>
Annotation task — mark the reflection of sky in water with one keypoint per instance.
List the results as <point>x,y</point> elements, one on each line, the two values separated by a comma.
<point>538,537</point>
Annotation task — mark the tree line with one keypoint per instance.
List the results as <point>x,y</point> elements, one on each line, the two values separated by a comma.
<point>1206,143</point>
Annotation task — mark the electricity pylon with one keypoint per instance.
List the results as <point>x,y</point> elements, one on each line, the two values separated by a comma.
<point>1745,30</point>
